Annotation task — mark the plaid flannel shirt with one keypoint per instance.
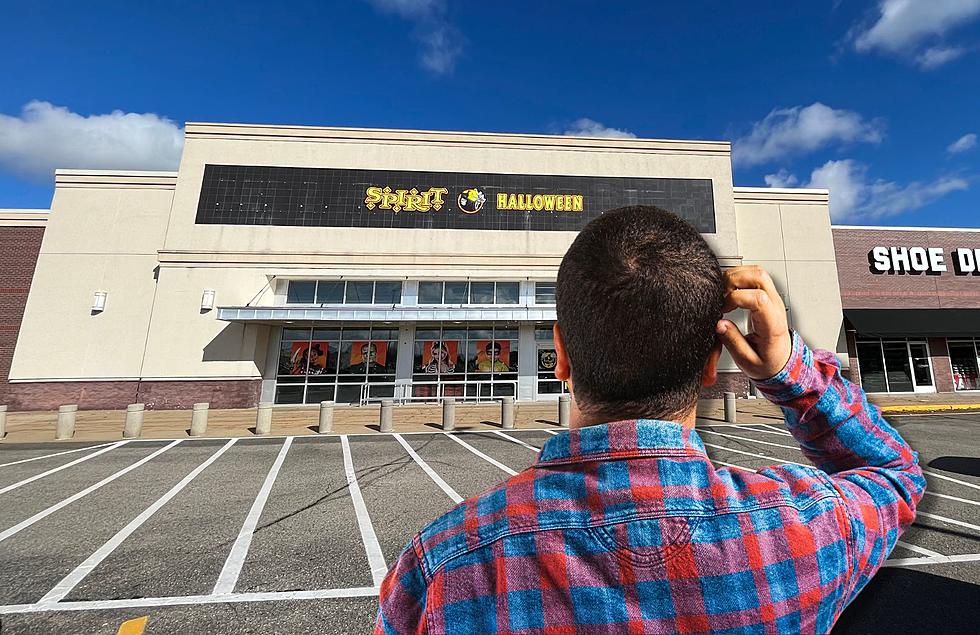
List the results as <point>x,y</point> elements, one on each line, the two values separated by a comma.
<point>627,527</point>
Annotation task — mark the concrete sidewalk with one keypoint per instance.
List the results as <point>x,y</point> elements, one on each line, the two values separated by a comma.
<point>107,425</point>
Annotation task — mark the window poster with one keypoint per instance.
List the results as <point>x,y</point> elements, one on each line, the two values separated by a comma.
<point>301,357</point>
<point>490,356</point>
<point>439,357</point>
<point>367,357</point>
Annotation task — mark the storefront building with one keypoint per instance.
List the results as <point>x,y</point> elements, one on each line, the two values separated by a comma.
<point>301,264</point>
<point>911,299</point>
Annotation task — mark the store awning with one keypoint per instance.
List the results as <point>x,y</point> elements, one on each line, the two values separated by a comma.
<point>920,322</point>
<point>281,314</point>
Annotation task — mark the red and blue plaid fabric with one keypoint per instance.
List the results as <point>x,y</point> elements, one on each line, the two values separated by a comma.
<point>627,527</point>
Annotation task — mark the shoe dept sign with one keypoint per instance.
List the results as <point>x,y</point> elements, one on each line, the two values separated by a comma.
<point>928,260</point>
<point>332,197</point>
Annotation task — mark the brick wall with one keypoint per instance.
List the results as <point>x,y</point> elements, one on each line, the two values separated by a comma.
<point>861,288</point>
<point>942,372</point>
<point>19,247</point>
<point>116,395</point>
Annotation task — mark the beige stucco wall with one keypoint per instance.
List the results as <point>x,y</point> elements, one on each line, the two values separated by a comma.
<point>103,233</point>
<point>788,233</point>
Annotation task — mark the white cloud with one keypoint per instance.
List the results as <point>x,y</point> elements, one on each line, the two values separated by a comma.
<point>586,127</point>
<point>854,197</point>
<point>936,56</point>
<point>964,143</point>
<point>781,179</point>
<point>788,131</point>
<point>905,28</point>
<point>45,137</point>
<point>441,42</point>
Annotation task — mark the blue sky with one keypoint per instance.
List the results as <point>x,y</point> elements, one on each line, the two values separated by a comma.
<point>879,100</point>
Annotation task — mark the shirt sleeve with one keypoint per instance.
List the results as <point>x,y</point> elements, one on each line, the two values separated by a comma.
<point>403,596</point>
<point>874,470</point>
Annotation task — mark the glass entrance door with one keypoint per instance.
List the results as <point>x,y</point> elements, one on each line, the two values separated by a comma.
<point>921,368</point>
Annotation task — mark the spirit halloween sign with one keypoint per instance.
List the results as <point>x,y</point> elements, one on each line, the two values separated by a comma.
<point>329,197</point>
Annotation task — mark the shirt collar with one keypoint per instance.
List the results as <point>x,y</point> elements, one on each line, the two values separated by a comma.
<point>621,440</point>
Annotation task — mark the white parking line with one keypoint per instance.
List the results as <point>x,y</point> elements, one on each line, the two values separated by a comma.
<point>517,441</point>
<point>376,559</point>
<point>488,459</point>
<point>236,557</point>
<point>950,478</point>
<point>953,498</point>
<point>755,428</point>
<point>735,436</point>
<point>70,581</point>
<point>552,432</point>
<point>918,549</point>
<point>61,467</point>
<point>915,562</point>
<point>85,492</point>
<point>266,596</point>
<point>453,494</point>
<point>775,430</point>
<point>49,456</point>
<point>951,521</point>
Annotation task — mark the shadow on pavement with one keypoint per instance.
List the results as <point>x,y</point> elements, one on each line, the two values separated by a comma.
<point>911,601</point>
<point>968,465</point>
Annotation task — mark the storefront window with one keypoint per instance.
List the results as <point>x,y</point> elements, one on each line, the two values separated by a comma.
<point>547,359</point>
<point>333,364</point>
<point>544,292</point>
<point>894,366</point>
<point>963,360</point>
<point>341,292</point>
<point>468,362</point>
<point>469,292</point>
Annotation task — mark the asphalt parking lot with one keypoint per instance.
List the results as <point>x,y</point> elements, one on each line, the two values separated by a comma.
<point>292,534</point>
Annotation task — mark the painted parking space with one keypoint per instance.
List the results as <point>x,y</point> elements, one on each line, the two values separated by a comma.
<point>297,531</point>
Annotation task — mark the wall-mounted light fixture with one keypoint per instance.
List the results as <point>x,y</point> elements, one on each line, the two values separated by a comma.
<point>98,301</point>
<point>207,300</point>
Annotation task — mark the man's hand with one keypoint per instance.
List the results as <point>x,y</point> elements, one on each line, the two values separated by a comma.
<point>766,349</point>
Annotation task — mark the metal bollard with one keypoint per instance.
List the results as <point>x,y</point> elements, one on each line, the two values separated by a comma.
<point>326,417</point>
<point>730,407</point>
<point>199,419</point>
<point>387,415</point>
<point>66,422</point>
<point>564,410</point>
<point>448,414</point>
<point>3,421</point>
<point>263,418</point>
<point>134,421</point>
<point>506,413</point>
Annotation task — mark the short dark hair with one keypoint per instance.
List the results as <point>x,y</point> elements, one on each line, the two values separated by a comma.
<point>639,293</point>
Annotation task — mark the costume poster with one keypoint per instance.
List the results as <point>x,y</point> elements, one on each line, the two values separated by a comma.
<point>439,357</point>
<point>492,357</point>
<point>307,355</point>
<point>367,357</point>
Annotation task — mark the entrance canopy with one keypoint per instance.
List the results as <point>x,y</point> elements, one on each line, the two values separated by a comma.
<point>909,322</point>
<point>283,314</point>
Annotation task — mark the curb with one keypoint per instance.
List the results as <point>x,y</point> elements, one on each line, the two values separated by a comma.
<point>930,408</point>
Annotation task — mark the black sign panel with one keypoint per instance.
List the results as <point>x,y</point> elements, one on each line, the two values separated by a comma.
<point>330,197</point>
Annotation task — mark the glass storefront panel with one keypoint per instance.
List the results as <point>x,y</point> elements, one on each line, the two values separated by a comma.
<point>481,293</point>
<point>963,360</point>
<point>544,292</point>
<point>508,292</point>
<point>330,292</point>
<point>387,292</point>
<point>469,362</point>
<point>301,292</point>
<point>457,292</point>
<point>921,369</point>
<point>547,359</point>
<point>430,293</point>
<point>897,368</point>
<point>895,365</point>
<point>360,292</point>
<point>872,367</point>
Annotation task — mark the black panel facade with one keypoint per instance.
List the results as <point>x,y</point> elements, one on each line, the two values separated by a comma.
<point>330,197</point>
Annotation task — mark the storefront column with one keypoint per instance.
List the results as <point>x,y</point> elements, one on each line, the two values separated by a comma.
<point>942,372</point>
<point>854,365</point>
<point>527,363</point>
<point>406,359</point>
<point>271,365</point>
